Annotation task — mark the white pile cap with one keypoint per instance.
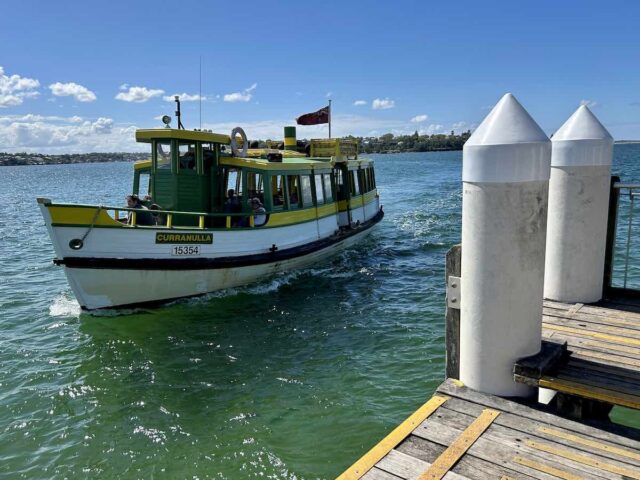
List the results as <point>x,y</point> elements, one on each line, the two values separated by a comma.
<point>508,146</point>
<point>582,141</point>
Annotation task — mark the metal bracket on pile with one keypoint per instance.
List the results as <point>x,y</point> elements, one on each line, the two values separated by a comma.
<point>453,292</point>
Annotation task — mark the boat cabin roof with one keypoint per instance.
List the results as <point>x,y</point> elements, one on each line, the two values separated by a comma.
<point>149,134</point>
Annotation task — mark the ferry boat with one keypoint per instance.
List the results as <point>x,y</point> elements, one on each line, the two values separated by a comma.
<point>213,214</point>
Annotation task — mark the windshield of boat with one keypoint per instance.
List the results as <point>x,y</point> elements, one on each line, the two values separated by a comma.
<point>163,150</point>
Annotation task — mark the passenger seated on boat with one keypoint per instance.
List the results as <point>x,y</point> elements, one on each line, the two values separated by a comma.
<point>232,205</point>
<point>142,218</point>
<point>156,218</point>
<point>188,161</point>
<point>259,212</point>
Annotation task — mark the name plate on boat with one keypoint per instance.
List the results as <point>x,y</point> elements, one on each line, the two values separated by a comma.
<point>191,238</point>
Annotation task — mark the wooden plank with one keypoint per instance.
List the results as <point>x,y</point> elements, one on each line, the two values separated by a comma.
<point>585,459</point>
<point>519,440</point>
<point>452,316</point>
<point>631,376</point>
<point>590,344</point>
<point>405,466</point>
<point>459,447</point>
<point>373,456</point>
<point>535,428</point>
<point>621,335</point>
<point>491,452</point>
<point>500,445</point>
<point>457,390</point>
<point>588,391</point>
<point>468,466</point>
<point>600,310</point>
<point>580,440</point>
<point>599,379</point>
<point>580,331</point>
<point>633,324</point>
<point>607,359</point>
<point>377,474</point>
<point>546,468</point>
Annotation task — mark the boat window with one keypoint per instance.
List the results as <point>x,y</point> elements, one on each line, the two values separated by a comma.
<point>373,178</point>
<point>233,182</point>
<point>355,184</point>
<point>292,187</point>
<point>208,156</point>
<point>144,186</point>
<point>163,152</point>
<point>277,190</point>
<point>307,196</point>
<point>255,186</point>
<point>327,187</point>
<point>319,191</point>
<point>187,156</point>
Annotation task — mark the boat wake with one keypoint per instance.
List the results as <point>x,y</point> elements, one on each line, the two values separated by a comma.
<point>64,306</point>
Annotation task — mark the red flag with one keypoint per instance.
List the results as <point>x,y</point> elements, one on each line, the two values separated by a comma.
<point>315,118</point>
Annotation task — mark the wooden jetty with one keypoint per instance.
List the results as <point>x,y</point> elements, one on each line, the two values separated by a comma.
<point>590,356</point>
<point>463,434</point>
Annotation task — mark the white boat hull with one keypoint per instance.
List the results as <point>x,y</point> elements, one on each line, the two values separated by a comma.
<point>97,288</point>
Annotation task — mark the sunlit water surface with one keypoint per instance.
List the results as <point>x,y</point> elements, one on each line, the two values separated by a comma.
<point>294,377</point>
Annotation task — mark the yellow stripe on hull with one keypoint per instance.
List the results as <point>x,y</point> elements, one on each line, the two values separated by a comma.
<point>356,202</point>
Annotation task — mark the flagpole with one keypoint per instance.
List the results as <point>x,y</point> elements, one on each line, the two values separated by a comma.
<point>329,118</point>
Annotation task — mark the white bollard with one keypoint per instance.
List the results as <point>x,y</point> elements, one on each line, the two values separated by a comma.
<point>582,150</point>
<point>505,176</point>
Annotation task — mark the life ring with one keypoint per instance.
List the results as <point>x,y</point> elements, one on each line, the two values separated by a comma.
<point>234,144</point>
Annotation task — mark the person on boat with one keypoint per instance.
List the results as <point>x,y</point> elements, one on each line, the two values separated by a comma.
<point>259,212</point>
<point>232,205</point>
<point>142,218</point>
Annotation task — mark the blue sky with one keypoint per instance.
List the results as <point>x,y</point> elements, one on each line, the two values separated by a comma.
<point>68,68</point>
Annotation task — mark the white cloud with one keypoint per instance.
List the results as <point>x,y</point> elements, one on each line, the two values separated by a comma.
<point>80,93</point>
<point>52,134</point>
<point>359,103</point>
<point>460,127</point>
<point>383,104</point>
<point>420,118</point>
<point>137,94</point>
<point>14,89</point>
<point>589,103</point>
<point>243,96</point>
<point>124,86</point>
<point>431,129</point>
<point>184,97</point>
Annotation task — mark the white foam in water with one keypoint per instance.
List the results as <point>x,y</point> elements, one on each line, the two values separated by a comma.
<point>63,306</point>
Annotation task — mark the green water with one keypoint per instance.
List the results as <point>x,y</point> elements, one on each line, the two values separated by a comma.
<point>292,378</point>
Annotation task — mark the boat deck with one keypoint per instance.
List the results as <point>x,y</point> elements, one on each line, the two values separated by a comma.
<point>591,356</point>
<point>463,434</point>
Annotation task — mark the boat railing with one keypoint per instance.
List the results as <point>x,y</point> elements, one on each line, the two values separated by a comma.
<point>622,257</point>
<point>165,218</point>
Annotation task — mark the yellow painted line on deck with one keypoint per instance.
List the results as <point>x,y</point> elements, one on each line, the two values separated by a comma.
<point>588,333</point>
<point>459,447</point>
<point>377,453</point>
<point>588,391</point>
<point>541,467</point>
<point>583,459</point>
<point>589,443</point>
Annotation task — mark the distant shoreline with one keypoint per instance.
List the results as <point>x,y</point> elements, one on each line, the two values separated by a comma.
<point>27,159</point>
<point>382,146</point>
